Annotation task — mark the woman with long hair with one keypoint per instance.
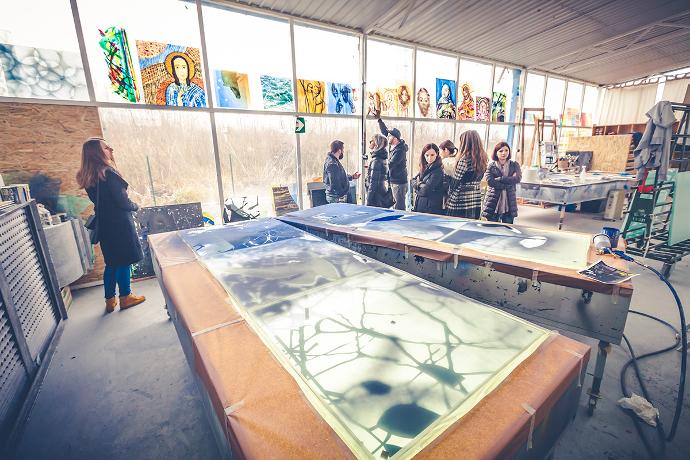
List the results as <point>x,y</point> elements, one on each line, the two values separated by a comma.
<point>449,156</point>
<point>502,175</point>
<point>116,231</point>
<point>428,184</point>
<point>464,195</point>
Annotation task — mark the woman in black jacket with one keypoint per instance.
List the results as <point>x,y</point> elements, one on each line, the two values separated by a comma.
<point>428,184</point>
<point>377,172</point>
<point>502,175</point>
<point>116,231</point>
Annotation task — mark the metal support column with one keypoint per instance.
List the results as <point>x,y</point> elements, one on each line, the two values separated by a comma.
<point>595,391</point>
<point>298,151</point>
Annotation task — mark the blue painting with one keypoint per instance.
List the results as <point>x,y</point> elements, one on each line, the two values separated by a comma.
<point>232,89</point>
<point>277,93</point>
<point>340,98</point>
<point>445,99</point>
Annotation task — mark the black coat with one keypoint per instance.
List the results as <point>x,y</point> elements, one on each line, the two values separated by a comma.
<point>497,183</point>
<point>397,162</point>
<point>335,178</point>
<point>116,229</point>
<point>429,190</point>
<point>377,172</point>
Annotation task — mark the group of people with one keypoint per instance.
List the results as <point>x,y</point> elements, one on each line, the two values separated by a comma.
<point>448,181</point>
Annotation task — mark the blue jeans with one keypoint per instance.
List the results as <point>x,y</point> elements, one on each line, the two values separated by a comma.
<point>336,199</point>
<point>119,275</point>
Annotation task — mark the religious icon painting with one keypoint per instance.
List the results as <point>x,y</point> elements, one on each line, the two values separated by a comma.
<point>483,109</point>
<point>374,102</point>
<point>232,89</point>
<point>466,107</point>
<point>340,98</point>
<point>404,99</point>
<point>389,104</point>
<point>171,74</point>
<point>311,96</point>
<point>445,99</point>
<point>424,106</point>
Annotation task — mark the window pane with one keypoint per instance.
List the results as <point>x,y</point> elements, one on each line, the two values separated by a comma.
<point>256,74</point>
<point>479,127</point>
<point>433,71</point>
<point>257,152</point>
<point>571,115</point>
<point>165,155</point>
<point>475,91</point>
<point>500,133</point>
<point>506,94</point>
<point>39,53</point>
<point>553,100</point>
<point>589,105</point>
<point>534,94</point>
<point>332,60</point>
<point>135,57</point>
<point>389,78</point>
<point>427,132</point>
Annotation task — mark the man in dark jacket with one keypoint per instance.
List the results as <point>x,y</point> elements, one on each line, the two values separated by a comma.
<point>336,180</point>
<point>397,164</point>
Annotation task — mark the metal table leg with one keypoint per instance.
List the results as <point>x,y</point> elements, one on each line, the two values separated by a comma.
<point>560,220</point>
<point>595,391</point>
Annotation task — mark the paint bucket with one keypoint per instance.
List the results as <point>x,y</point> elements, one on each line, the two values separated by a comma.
<point>601,243</point>
<point>613,234</point>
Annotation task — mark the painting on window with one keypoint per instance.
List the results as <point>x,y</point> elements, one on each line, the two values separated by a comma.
<point>404,99</point>
<point>171,74</point>
<point>118,58</point>
<point>374,102</point>
<point>340,98</point>
<point>498,107</point>
<point>311,96</point>
<point>483,109</point>
<point>466,108</point>
<point>232,89</point>
<point>445,99</point>
<point>277,93</point>
<point>389,104</point>
<point>424,103</point>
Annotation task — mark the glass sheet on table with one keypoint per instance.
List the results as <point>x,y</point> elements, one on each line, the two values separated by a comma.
<point>342,213</point>
<point>387,359</point>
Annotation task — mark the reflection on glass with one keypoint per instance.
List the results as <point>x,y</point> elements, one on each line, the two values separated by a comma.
<point>385,357</point>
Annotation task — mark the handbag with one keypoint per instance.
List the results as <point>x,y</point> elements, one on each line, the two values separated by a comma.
<point>92,221</point>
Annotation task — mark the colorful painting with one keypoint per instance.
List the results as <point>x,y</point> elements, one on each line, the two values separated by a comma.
<point>277,93</point>
<point>466,108</point>
<point>445,99</point>
<point>41,73</point>
<point>498,107</point>
<point>171,74</point>
<point>374,102</point>
<point>570,117</point>
<point>232,89</point>
<point>424,109</point>
<point>341,98</point>
<point>404,100</point>
<point>389,104</point>
<point>483,109</point>
<point>311,96</point>
<point>119,61</point>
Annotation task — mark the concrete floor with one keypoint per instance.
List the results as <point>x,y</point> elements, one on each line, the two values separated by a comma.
<point>119,386</point>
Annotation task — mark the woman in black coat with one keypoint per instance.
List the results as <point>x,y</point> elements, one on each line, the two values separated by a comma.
<point>502,176</point>
<point>428,184</point>
<point>116,231</point>
<point>377,172</point>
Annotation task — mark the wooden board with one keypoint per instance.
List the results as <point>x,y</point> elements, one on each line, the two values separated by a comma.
<point>282,201</point>
<point>609,153</point>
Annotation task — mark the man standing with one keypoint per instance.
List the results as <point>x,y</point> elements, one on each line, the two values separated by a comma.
<point>336,180</point>
<point>397,164</point>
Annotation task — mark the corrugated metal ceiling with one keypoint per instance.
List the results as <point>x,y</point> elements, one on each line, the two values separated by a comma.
<point>600,41</point>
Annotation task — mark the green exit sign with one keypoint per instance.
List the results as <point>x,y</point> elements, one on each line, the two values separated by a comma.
<point>300,125</point>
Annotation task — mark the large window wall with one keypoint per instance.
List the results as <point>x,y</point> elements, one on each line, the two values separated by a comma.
<point>203,108</point>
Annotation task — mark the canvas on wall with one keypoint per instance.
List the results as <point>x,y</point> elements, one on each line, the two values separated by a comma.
<point>498,107</point>
<point>466,108</point>
<point>118,58</point>
<point>311,96</point>
<point>276,93</point>
<point>424,109</point>
<point>341,98</point>
<point>445,99</point>
<point>483,109</point>
<point>171,74</point>
<point>232,89</point>
<point>41,73</point>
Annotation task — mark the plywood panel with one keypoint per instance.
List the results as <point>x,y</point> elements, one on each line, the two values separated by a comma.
<point>610,153</point>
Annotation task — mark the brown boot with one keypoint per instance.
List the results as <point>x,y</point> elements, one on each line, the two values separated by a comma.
<point>110,304</point>
<point>130,300</point>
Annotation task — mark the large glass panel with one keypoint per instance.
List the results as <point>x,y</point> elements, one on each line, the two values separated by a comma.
<point>500,133</point>
<point>462,127</point>
<point>475,91</point>
<point>553,99</point>
<point>250,59</point>
<point>573,98</point>
<point>328,71</point>
<point>39,52</point>
<point>257,152</point>
<point>534,94</point>
<point>589,105</point>
<point>506,94</point>
<point>434,71</point>
<point>389,79</point>
<point>137,54</point>
<point>427,132</point>
<point>165,155</point>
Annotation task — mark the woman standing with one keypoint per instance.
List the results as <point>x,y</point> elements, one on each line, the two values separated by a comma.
<point>428,184</point>
<point>464,195</point>
<point>449,156</point>
<point>502,175</point>
<point>117,235</point>
<point>377,172</point>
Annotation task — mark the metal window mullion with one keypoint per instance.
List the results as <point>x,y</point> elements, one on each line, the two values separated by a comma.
<point>82,50</point>
<point>363,112</point>
<point>298,150</point>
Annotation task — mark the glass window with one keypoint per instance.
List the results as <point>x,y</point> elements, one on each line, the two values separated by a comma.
<point>475,91</point>
<point>553,99</point>
<point>534,94</point>
<point>145,57</point>
<point>462,127</point>
<point>389,79</point>
<point>165,155</point>
<point>250,60</point>
<point>500,133</point>
<point>433,72</point>
<point>566,135</point>
<point>328,71</point>
<point>427,132</point>
<point>39,52</point>
<point>256,152</point>
<point>589,105</point>
<point>506,94</point>
<point>573,98</point>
